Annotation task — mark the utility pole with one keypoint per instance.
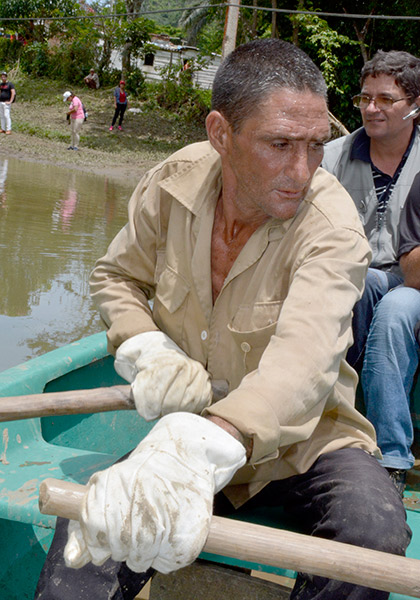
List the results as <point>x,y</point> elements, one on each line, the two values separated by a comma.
<point>231,27</point>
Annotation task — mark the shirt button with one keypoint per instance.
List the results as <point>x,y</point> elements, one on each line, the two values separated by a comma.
<point>204,335</point>
<point>245,347</point>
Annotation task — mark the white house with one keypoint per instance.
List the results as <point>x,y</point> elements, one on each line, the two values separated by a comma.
<point>166,53</point>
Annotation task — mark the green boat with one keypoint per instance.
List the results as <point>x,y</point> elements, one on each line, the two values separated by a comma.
<point>73,447</point>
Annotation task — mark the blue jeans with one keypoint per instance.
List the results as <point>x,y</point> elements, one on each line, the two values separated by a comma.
<point>390,363</point>
<point>378,283</point>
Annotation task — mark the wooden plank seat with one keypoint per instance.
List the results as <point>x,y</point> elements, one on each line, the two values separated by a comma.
<point>71,448</point>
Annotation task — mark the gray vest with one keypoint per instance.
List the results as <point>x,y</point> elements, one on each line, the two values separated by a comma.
<point>356,177</point>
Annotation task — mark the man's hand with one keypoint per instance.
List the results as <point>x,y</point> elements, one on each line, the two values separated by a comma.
<point>164,379</point>
<point>154,509</point>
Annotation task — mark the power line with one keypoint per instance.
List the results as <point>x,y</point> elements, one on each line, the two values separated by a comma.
<point>222,5</point>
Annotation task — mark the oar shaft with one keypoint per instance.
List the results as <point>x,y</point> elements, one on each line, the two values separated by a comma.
<point>117,397</point>
<point>74,402</point>
<point>275,547</point>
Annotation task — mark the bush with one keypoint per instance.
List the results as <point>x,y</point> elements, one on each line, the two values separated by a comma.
<point>110,78</point>
<point>71,60</point>
<point>135,82</point>
<point>35,59</point>
<point>176,93</point>
<point>10,52</point>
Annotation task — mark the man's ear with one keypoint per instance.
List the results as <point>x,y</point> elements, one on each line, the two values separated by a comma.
<point>218,131</point>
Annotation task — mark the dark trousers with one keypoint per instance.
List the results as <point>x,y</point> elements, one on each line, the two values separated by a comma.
<point>120,110</point>
<point>345,496</point>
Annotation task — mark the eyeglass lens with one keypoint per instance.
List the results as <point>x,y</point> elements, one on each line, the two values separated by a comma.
<point>381,102</point>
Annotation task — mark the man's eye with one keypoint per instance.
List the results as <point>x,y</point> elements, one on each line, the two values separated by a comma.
<point>279,145</point>
<point>385,100</point>
<point>317,146</point>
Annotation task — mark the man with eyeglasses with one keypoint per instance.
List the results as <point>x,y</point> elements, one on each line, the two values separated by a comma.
<point>377,165</point>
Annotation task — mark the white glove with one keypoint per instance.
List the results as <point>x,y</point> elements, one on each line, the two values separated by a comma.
<point>163,378</point>
<point>154,509</point>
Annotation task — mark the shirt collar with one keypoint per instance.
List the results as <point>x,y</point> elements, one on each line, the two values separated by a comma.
<point>196,181</point>
<point>360,149</point>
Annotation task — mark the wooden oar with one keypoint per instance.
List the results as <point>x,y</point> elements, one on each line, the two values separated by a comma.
<point>117,397</point>
<point>275,547</point>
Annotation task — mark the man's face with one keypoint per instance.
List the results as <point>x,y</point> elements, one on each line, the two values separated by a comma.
<point>276,152</point>
<point>4,78</point>
<point>385,125</point>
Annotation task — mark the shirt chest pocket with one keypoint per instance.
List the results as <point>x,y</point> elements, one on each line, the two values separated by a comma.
<point>251,330</point>
<point>170,304</point>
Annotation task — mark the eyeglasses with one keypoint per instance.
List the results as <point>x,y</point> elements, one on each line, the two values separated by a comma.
<point>381,102</point>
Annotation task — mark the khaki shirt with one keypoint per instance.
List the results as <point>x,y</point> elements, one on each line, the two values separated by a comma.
<point>281,325</point>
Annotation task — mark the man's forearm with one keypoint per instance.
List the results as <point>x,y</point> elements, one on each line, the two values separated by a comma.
<point>410,265</point>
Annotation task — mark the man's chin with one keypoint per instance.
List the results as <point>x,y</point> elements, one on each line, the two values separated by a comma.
<point>375,128</point>
<point>287,210</point>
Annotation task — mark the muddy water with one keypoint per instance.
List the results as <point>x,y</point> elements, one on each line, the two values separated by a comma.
<point>54,224</point>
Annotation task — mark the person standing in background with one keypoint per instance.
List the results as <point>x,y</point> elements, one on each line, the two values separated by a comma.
<point>7,96</point>
<point>77,116</point>
<point>120,103</point>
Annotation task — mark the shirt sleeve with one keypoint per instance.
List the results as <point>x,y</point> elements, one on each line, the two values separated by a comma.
<point>409,228</point>
<point>123,281</point>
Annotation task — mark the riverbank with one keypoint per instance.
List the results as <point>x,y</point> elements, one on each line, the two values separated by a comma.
<point>41,133</point>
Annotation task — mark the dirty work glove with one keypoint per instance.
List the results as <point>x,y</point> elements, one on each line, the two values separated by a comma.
<point>163,378</point>
<point>154,509</point>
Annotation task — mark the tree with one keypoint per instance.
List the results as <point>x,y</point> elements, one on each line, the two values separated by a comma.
<point>133,34</point>
<point>199,16</point>
<point>319,37</point>
<point>38,27</point>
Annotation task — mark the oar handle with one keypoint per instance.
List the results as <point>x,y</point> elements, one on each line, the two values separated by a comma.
<point>275,547</point>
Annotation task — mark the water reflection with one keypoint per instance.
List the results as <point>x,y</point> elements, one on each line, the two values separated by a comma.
<point>4,163</point>
<point>54,224</point>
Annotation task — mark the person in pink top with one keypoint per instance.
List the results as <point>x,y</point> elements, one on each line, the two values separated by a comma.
<point>77,116</point>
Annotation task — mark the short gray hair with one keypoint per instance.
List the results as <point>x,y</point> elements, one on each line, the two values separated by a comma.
<point>254,69</point>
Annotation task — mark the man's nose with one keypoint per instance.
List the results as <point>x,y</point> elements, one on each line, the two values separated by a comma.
<point>298,169</point>
<point>371,107</point>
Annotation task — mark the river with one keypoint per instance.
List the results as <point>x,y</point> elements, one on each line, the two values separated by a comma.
<point>54,224</point>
